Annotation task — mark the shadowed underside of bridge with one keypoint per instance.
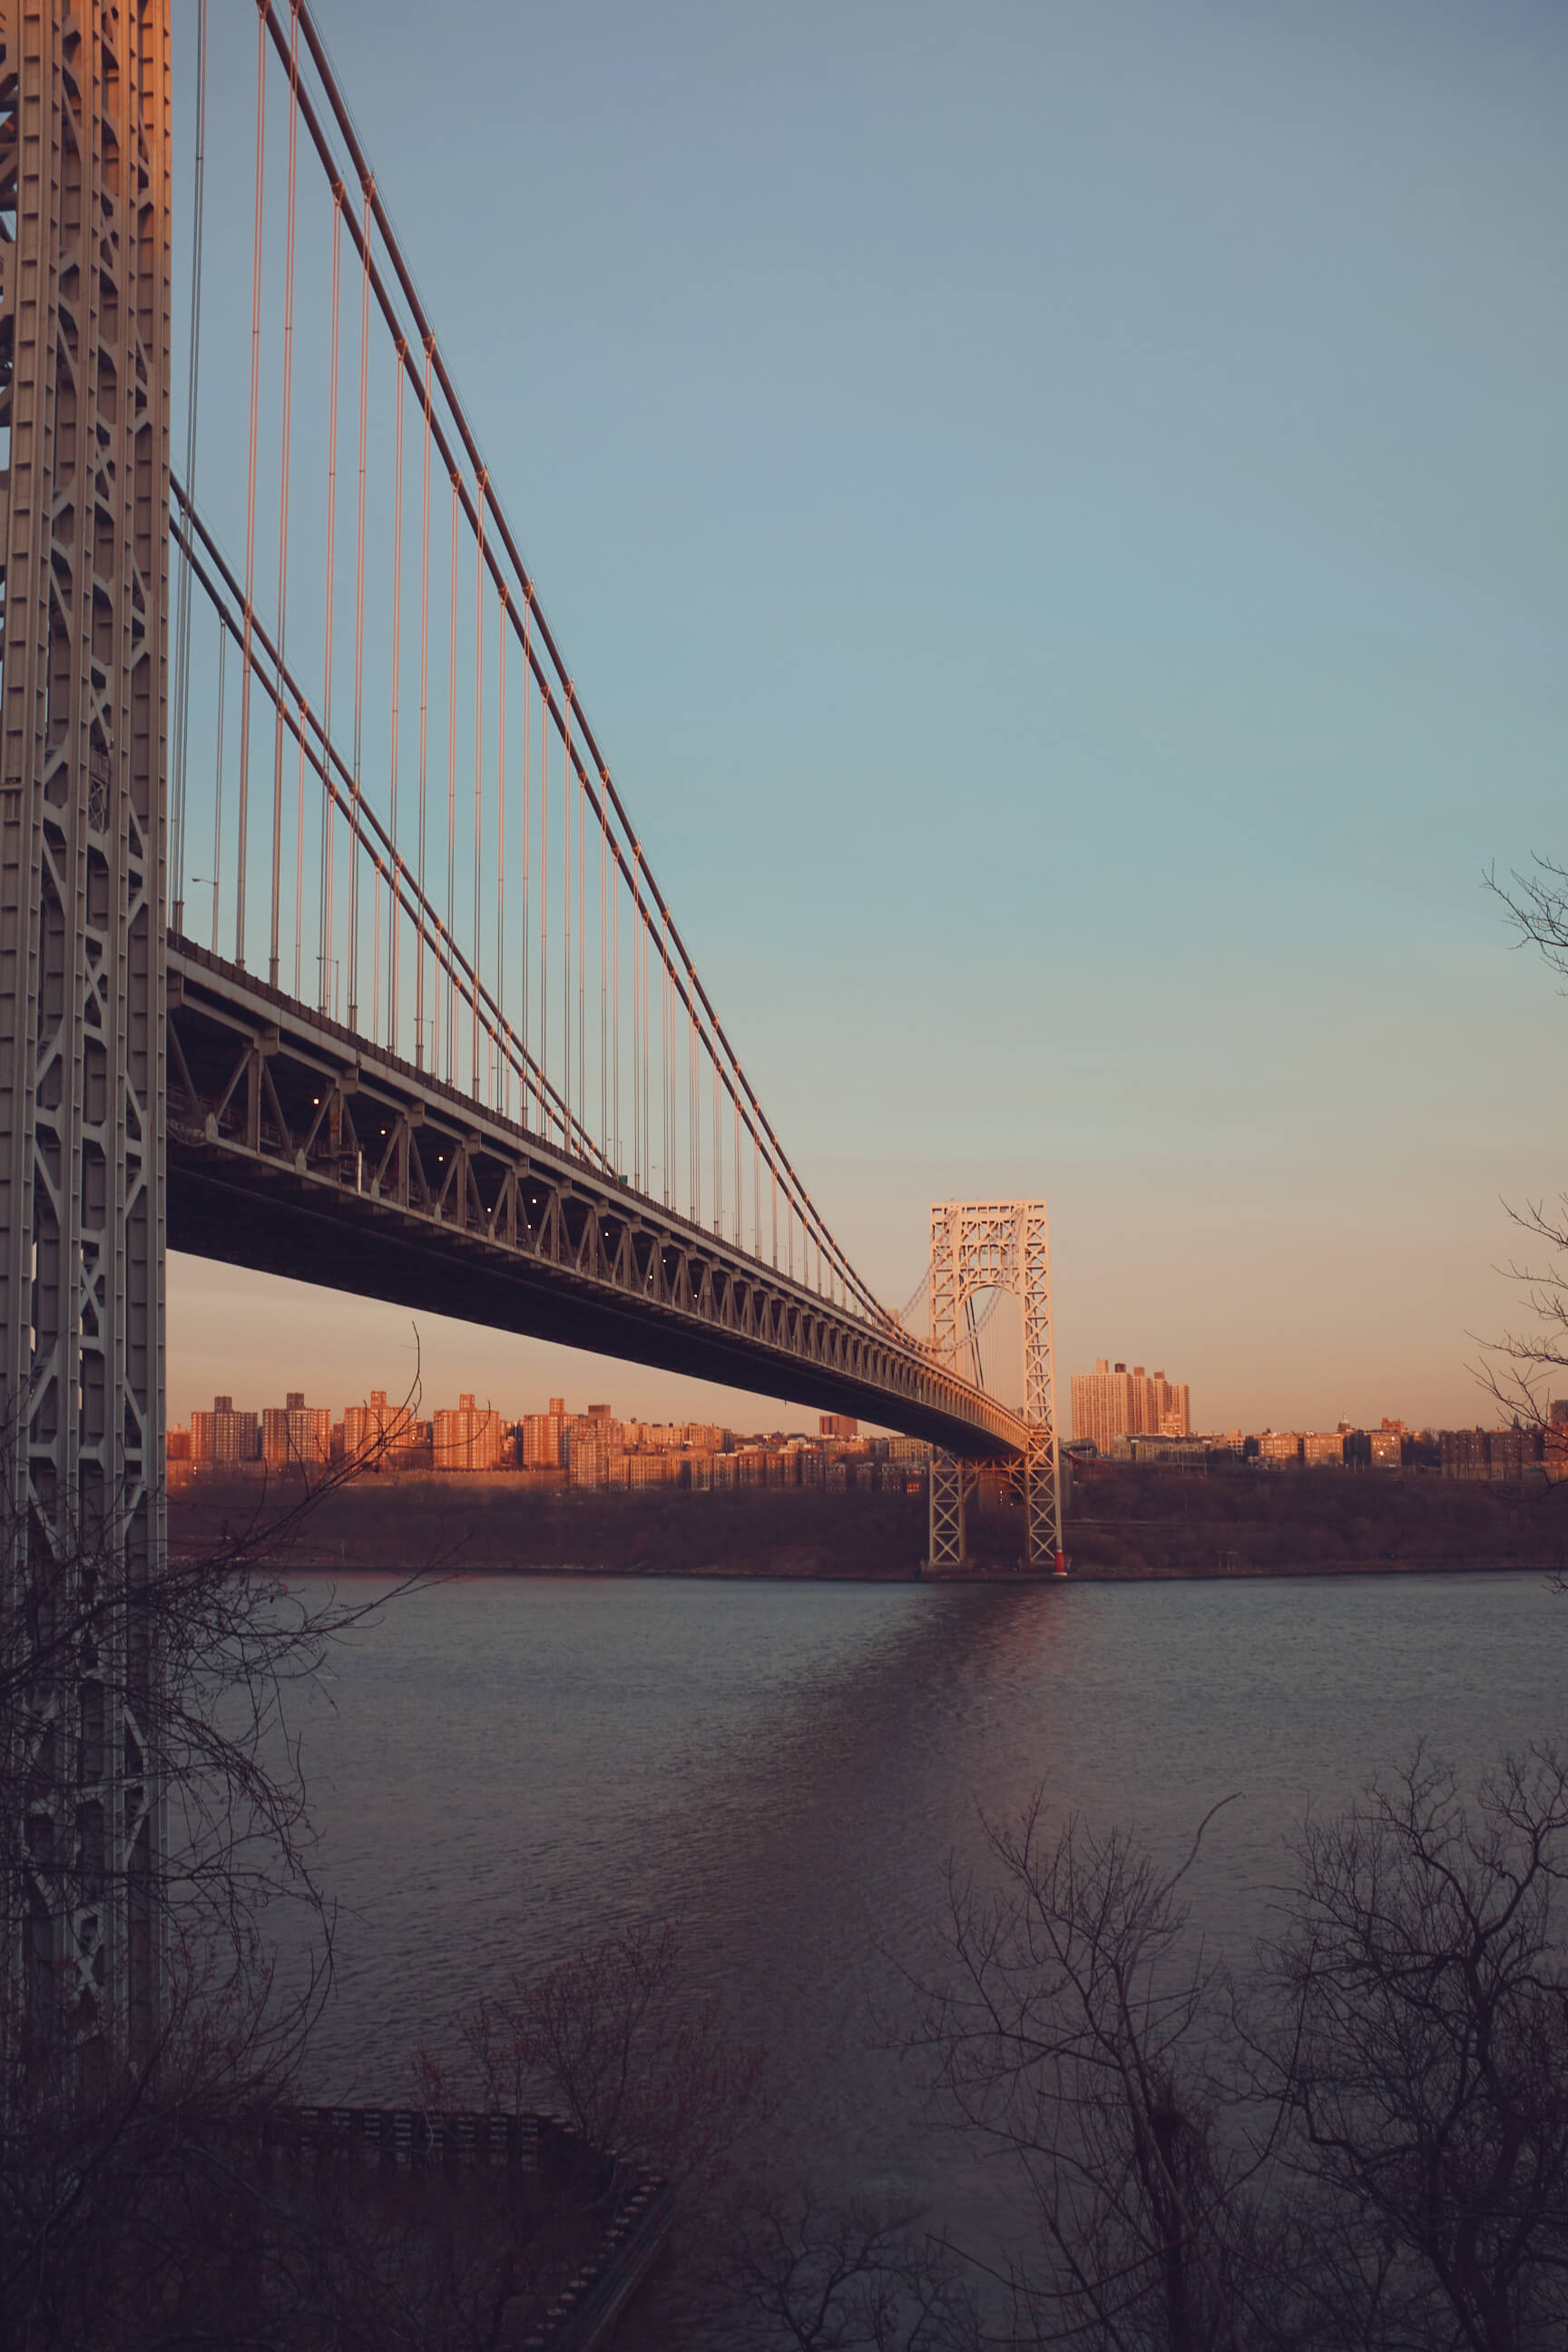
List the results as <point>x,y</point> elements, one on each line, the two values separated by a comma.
<point>296,1150</point>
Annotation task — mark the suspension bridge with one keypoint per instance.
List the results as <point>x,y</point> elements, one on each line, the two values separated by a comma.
<point>327,945</point>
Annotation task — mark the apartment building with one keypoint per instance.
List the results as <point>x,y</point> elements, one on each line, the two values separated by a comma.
<point>1112,1402</point>
<point>470,1437</point>
<point>297,1431</point>
<point>544,1437</point>
<point>372,1431</point>
<point>224,1436</point>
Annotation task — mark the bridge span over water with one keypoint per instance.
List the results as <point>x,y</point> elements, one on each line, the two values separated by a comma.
<point>328,944</point>
<point>298,1147</point>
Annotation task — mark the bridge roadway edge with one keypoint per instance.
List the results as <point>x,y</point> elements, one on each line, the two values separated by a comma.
<point>518,1237</point>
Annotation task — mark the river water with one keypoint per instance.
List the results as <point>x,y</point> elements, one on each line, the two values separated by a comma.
<point>506,1768</point>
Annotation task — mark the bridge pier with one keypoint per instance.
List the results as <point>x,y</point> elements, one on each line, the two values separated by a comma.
<point>952,1484</point>
<point>981,1245</point>
<point>1041,1477</point>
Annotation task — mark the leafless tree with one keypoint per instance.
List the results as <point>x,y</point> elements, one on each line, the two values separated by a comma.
<point>1361,2148</point>
<point>1075,2037</point>
<point>1420,2049</point>
<point>1517,1370</point>
<point>762,2258</point>
<point>206,1651</point>
<point>616,2040</point>
<point>814,2273</point>
<point>113,2126</point>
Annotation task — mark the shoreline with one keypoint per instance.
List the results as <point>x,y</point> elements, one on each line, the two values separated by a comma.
<point>981,1572</point>
<point>1136,1529</point>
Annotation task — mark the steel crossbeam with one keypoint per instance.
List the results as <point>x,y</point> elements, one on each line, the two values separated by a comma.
<point>297,1149</point>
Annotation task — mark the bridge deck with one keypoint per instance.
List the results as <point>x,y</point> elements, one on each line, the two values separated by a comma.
<point>296,1149</point>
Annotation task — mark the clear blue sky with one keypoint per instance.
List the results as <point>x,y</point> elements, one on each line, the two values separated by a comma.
<point>1059,515</point>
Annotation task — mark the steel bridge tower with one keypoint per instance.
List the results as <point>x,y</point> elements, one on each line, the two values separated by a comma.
<point>84,407</point>
<point>976,1246</point>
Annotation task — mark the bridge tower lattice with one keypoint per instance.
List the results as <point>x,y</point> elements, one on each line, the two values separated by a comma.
<point>986,1245</point>
<point>84,506</point>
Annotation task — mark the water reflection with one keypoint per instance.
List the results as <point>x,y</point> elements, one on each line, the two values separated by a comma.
<point>509,1767</point>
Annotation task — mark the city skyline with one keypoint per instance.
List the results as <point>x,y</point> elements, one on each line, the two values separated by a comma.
<point>357,1342</point>
<point>1116,1400</point>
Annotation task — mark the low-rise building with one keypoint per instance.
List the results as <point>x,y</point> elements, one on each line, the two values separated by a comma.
<point>1495,1454</point>
<point>653,1469</point>
<point>1323,1449</point>
<point>1156,1447</point>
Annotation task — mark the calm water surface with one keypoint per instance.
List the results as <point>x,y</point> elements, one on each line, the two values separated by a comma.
<point>506,1768</point>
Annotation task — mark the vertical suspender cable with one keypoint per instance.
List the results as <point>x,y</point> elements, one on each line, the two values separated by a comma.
<point>217,779</point>
<point>325,991</point>
<point>543,909</point>
<point>615,1020</point>
<point>250,478</point>
<point>193,389</point>
<point>285,440</point>
<point>566,909</point>
<point>500,855</point>
<point>581,946</point>
<point>299,853</point>
<point>479,757</point>
<point>355,850</point>
<point>392,914</point>
<point>447,979</point>
<point>666,1113</point>
<point>634,1106</point>
<point>526,852</point>
<point>423,735</point>
<point>639,1071</point>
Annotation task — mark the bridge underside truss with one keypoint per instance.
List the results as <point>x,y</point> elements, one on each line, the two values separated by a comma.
<point>296,1150</point>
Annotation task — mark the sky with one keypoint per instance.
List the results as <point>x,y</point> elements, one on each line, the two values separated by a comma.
<point>1059,515</point>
